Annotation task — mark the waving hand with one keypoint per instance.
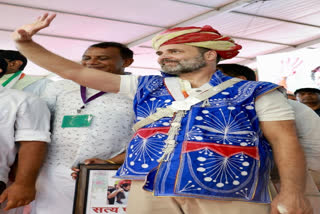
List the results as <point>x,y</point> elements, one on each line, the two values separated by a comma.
<point>25,32</point>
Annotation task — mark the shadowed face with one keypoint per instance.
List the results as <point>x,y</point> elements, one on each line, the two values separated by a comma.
<point>13,66</point>
<point>308,97</point>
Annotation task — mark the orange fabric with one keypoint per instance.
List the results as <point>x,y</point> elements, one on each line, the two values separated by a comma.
<point>22,75</point>
<point>185,94</point>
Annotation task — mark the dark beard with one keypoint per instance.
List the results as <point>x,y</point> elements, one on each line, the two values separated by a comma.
<point>184,66</point>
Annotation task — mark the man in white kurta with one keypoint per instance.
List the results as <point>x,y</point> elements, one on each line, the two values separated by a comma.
<point>105,138</point>
<point>24,125</point>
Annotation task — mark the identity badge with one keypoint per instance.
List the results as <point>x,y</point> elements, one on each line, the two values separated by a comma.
<point>76,121</point>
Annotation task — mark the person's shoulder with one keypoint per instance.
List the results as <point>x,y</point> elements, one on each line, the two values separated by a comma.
<point>262,83</point>
<point>263,88</point>
<point>302,109</point>
<point>148,77</point>
<point>299,106</point>
<point>44,81</point>
<point>62,85</point>
<point>296,104</point>
<point>258,84</point>
<point>19,96</point>
<point>32,77</point>
<point>18,93</point>
<point>150,80</point>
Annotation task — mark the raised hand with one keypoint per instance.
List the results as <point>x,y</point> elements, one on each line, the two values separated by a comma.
<point>25,32</point>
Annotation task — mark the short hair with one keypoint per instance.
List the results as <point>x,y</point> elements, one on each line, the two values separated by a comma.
<point>3,66</point>
<point>125,52</point>
<point>312,90</point>
<point>314,71</point>
<point>12,55</point>
<point>235,70</point>
<point>204,50</point>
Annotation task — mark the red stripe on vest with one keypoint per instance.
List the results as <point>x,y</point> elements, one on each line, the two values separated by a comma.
<point>224,150</point>
<point>149,132</point>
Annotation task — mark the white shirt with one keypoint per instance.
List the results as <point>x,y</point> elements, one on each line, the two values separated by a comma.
<point>23,117</point>
<point>308,131</point>
<point>37,87</point>
<point>272,106</point>
<point>108,135</point>
<point>31,84</point>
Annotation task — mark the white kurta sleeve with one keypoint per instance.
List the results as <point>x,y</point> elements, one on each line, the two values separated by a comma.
<point>274,106</point>
<point>128,85</point>
<point>33,121</point>
<point>49,95</point>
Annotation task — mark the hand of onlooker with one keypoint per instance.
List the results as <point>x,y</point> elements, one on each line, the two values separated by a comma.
<point>290,203</point>
<point>75,170</point>
<point>17,195</point>
<point>25,32</point>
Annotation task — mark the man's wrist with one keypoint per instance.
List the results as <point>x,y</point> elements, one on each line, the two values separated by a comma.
<point>24,183</point>
<point>292,190</point>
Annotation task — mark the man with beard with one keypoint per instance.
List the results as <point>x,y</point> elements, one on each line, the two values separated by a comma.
<point>198,143</point>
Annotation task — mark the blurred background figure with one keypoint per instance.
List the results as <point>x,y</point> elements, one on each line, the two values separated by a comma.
<point>309,97</point>
<point>16,78</point>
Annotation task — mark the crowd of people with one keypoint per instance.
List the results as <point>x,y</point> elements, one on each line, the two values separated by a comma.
<point>202,137</point>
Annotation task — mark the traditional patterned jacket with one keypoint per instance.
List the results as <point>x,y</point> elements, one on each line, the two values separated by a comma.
<point>214,150</point>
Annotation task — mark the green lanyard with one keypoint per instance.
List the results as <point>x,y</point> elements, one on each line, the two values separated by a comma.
<point>11,78</point>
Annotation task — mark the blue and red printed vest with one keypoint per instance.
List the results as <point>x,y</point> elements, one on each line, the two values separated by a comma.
<point>220,151</point>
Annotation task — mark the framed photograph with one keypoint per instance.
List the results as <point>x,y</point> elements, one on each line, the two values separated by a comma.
<point>98,192</point>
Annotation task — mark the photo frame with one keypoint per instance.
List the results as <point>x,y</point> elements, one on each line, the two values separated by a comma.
<point>98,192</point>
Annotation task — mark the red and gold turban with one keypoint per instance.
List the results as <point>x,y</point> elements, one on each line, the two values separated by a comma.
<point>205,37</point>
